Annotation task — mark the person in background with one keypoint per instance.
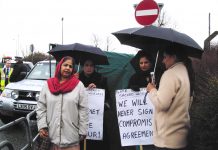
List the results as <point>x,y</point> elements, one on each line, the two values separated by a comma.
<point>19,68</point>
<point>62,108</point>
<point>172,101</point>
<point>143,62</point>
<point>5,74</point>
<point>92,79</point>
<point>143,65</point>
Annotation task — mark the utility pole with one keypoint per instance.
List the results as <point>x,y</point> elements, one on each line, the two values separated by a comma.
<point>32,50</point>
<point>62,19</point>
<point>160,5</point>
<point>209,24</point>
<point>18,45</point>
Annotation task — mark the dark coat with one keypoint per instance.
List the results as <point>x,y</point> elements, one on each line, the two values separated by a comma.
<point>95,78</point>
<point>100,82</point>
<point>16,74</point>
<point>139,80</point>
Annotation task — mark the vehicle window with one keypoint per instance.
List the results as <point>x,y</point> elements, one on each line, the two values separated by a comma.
<point>41,71</point>
<point>28,67</point>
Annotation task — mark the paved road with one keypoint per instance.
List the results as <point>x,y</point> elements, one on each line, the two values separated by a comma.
<point>17,135</point>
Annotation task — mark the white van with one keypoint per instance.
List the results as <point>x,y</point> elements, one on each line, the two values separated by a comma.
<point>19,98</point>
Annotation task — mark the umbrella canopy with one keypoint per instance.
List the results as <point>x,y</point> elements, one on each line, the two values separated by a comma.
<point>152,38</point>
<point>80,53</point>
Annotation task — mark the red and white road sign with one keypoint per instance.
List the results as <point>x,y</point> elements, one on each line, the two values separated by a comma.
<point>147,12</point>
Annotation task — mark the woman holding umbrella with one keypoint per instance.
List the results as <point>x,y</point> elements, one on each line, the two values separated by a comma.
<point>92,79</point>
<point>62,108</point>
<point>171,101</point>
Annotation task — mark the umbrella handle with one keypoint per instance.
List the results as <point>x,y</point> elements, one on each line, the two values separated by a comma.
<point>152,77</point>
<point>155,65</point>
<point>78,67</point>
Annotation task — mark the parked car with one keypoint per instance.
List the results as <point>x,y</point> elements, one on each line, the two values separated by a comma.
<point>20,98</point>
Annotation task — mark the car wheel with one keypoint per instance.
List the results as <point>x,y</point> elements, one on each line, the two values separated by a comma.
<point>6,120</point>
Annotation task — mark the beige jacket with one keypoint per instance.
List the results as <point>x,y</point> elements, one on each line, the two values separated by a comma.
<point>171,102</point>
<point>65,115</point>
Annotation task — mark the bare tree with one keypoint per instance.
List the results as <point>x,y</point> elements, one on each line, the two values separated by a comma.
<point>96,40</point>
<point>24,52</point>
<point>162,20</point>
<point>108,43</point>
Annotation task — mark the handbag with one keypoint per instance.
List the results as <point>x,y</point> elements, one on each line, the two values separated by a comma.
<point>42,143</point>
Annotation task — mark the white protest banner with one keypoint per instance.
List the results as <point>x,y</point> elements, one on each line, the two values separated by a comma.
<point>135,113</point>
<point>96,110</point>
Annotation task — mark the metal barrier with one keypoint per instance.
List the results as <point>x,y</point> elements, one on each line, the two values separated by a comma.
<point>6,144</point>
<point>22,119</point>
<point>30,139</point>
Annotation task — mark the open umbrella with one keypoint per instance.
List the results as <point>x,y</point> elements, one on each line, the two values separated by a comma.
<point>153,39</point>
<point>80,53</point>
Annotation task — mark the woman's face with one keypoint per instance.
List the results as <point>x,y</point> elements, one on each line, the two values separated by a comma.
<point>88,67</point>
<point>144,64</point>
<point>67,68</point>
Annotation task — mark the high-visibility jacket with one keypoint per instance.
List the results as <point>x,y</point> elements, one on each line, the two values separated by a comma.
<point>3,76</point>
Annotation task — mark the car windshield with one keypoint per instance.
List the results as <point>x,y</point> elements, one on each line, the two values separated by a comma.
<point>41,71</point>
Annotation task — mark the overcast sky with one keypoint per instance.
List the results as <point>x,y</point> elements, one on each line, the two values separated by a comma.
<point>38,22</point>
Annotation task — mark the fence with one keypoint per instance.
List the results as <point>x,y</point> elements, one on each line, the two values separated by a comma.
<point>30,139</point>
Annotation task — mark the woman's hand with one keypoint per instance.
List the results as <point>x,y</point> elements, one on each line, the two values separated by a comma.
<point>91,86</point>
<point>82,137</point>
<point>43,133</point>
<point>150,86</point>
<point>76,75</point>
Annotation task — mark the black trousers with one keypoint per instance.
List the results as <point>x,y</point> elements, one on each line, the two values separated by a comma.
<point>158,148</point>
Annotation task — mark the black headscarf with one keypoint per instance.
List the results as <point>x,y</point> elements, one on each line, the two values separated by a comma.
<point>140,78</point>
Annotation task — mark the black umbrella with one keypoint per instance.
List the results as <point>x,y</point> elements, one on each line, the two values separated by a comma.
<point>153,39</point>
<point>80,53</point>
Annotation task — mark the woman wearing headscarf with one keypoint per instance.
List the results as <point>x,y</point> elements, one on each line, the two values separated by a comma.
<point>171,101</point>
<point>62,108</point>
<point>93,79</point>
<point>143,65</point>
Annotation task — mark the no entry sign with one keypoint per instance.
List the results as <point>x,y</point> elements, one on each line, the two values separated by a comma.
<point>146,12</point>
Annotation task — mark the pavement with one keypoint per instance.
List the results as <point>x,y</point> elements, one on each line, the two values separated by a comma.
<point>17,135</point>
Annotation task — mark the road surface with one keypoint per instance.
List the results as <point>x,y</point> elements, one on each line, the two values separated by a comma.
<point>17,135</point>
